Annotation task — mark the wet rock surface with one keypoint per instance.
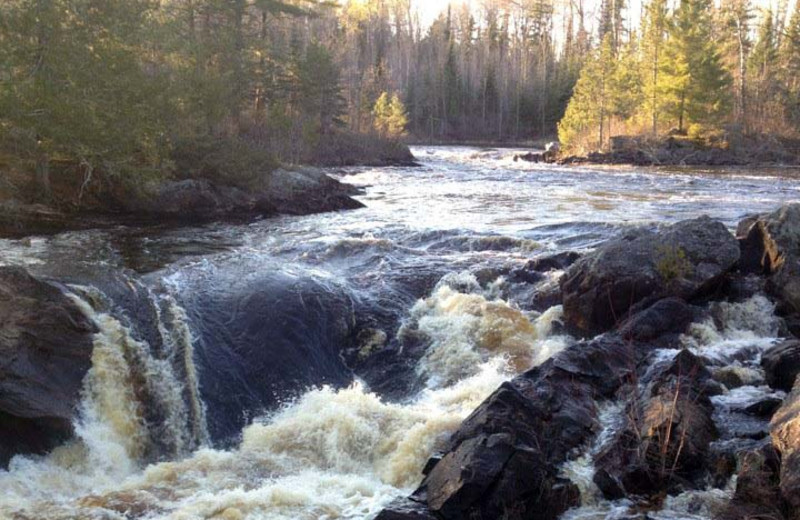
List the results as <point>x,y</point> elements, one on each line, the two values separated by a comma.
<point>505,457</point>
<point>665,444</point>
<point>785,433</point>
<point>781,364</point>
<point>757,494</point>
<point>771,246</point>
<point>45,352</point>
<point>663,322</point>
<point>683,260</point>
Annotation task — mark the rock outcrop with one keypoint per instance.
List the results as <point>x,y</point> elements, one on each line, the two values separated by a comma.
<point>506,457</point>
<point>683,260</point>
<point>665,444</point>
<point>757,494</point>
<point>781,364</point>
<point>293,192</point>
<point>678,429</point>
<point>785,433</point>
<point>771,246</point>
<point>300,191</point>
<point>46,345</point>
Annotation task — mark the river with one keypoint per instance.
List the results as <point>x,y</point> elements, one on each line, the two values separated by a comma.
<point>307,367</point>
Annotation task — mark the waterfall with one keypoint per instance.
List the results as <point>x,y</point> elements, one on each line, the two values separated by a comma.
<point>330,453</point>
<point>137,406</point>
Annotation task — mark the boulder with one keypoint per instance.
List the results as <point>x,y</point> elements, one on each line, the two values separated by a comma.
<point>663,322</point>
<point>764,407</point>
<point>757,494</point>
<point>554,262</point>
<point>198,199</point>
<point>303,191</point>
<point>405,509</point>
<point>665,445</point>
<point>506,457</point>
<point>546,296</point>
<point>684,260</point>
<point>770,245</point>
<point>785,433</point>
<point>46,345</point>
<point>781,364</point>
<point>730,376</point>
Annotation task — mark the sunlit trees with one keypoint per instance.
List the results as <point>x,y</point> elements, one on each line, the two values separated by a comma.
<point>763,69</point>
<point>390,117</point>
<point>654,35</point>
<point>589,109</point>
<point>695,83</point>
<point>736,18</point>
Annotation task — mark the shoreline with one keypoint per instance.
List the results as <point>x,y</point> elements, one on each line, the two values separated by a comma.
<point>299,191</point>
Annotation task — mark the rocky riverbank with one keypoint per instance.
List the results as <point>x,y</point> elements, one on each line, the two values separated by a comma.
<point>299,191</point>
<point>687,420</point>
<point>680,151</point>
<point>677,150</point>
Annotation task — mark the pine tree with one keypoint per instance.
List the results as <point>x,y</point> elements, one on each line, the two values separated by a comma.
<point>583,124</point>
<point>790,65</point>
<point>319,90</point>
<point>762,64</point>
<point>626,83</point>
<point>75,88</point>
<point>654,36</point>
<point>696,86</point>
<point>790,52</point>
<point>389,116</point>
<point>398,118</point>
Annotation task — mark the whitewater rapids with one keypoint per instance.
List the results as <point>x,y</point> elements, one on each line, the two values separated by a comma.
<point>329,454</point>
<point>334,452</point>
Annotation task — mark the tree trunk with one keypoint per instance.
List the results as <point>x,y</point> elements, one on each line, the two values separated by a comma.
<point>655,90</point>
<point>44,190</point>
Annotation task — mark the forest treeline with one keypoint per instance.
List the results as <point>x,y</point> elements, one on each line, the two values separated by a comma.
<point>716,73</point>
<point>143,89</point>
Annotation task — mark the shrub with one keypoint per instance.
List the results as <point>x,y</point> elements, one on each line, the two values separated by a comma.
<point>224,160</point>
<point>672,263</point>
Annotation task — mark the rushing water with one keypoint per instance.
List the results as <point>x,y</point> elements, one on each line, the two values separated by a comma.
<point>236,373</point>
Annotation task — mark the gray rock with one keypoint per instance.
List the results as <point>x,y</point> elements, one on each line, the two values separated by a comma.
<point>781,364</point>
<point>771,246</point>
<point>46,345</point>
<point>785,433</point>
<point>682,261</point>
<point>757,493</point>
<point>663,322</point>
<point>405,509</point>
<point>665,444</point>
<point>506,456</point>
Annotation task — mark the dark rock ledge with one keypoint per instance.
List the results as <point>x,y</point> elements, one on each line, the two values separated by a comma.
<point>300,191</point>
<point>641,292</point>
<point>45,351</point>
